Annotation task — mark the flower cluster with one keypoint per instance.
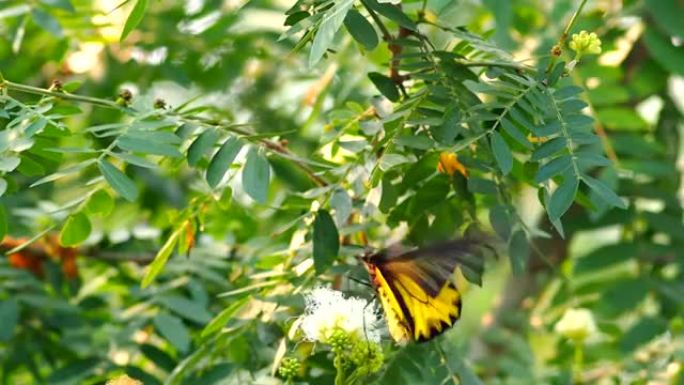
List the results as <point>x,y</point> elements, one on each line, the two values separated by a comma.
<point>585,43</point>
<point>350,327</point>
<point>328,309</point>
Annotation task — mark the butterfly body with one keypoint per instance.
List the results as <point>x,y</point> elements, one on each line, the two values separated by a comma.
<point>416,288</point>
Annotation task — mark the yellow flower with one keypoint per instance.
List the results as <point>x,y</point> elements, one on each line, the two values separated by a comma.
<point>585,43</point>
<point>576,325</point>
<point>449,164</point>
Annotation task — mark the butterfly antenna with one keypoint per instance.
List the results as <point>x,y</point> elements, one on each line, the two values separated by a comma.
<point>359,281</point>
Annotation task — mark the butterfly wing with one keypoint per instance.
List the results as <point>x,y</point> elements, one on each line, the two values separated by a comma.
<point>416,289</point>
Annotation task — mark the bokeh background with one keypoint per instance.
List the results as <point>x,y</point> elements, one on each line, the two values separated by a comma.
<point>79,315</point>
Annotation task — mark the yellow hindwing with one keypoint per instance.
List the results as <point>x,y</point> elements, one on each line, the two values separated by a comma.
<point>411,312</point>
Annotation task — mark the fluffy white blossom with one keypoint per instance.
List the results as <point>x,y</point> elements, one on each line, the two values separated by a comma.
<point>577,325</point>
<point>327,309</point>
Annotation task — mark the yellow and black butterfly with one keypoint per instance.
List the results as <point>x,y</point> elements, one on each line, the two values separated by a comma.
<point>416,288</point>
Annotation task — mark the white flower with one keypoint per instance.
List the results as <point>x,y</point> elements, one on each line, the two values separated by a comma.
<point>327,309</point>
<point>577,325</point>
<point>395,2</point>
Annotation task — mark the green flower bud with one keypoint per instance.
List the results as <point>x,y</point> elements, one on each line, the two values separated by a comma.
<point>367,356</point>
<point>289,367</point>
<point>339,340</point>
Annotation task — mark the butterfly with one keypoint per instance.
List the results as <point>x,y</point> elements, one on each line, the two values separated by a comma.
<point>416,288</point>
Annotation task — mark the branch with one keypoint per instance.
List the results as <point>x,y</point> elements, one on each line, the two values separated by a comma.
<point>269,144</point>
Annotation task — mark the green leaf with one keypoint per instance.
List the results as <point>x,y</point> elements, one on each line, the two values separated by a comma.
<point>161,258</point>
<point>503,16</point>
<point>515,133</point>
<point>556,73</point>
<point>621,118</point>
<point>385,85</point>
<point>9,163</point>
<point>326,241</point>
<point>549,148</point>
<point>147,146</point>
<point>3,186</point>
<point>481,186</point>
<point>9,314</point>
<point>567,92</point>
<point>603,191</point>
<point>389,195</point>
<point>134,160</point>
<point>588,160</point>
<point>643,331</point>
<point>502,153</point>
<point>518,251</point>
<point>221,161</point>
<point>122,184</point>
<point>223,317</point>
<point>553,168</point>
<point>62,4</point>
<point>76,230</point>
<point>201,145</point>
<point>100,203</point>
<point>668,15</point>
<point>668,55</point>
<point>173,329</point>
<point>360,29</point>
<point>35,127</point>
<point>330,23</point>
<point>342,203</point>
<point>500,221</point>
<point>160,358</point>
<point>134,18</point>
<point>3,222</point>
<point>562,198</point>
<point>393,13</point>
<point>47,22</point>
<point>185,308</point>
<point>550,128</point>
<point>256,176</point>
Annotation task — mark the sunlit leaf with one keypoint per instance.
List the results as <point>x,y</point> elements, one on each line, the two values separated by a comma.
<point>134,18</point>
<point>76,229</point>
<point>161,258</point>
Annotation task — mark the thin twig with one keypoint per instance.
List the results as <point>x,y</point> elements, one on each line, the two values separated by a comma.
<point>557,49</point>
<point>275,147</point>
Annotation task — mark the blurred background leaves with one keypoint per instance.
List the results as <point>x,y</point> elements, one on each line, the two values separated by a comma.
<point>228,142</point>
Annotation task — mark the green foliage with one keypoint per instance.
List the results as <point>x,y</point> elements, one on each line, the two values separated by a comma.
<point>197,168</point>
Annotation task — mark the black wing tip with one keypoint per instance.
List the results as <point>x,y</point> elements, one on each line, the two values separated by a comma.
<point>444,326</point>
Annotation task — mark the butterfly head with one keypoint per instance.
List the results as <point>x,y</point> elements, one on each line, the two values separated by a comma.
<point>367,256</point>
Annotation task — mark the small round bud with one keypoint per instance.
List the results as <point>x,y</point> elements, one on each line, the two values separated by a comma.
<point>289,367</point>
<point>339,340</point>
<point>367,356</point>
<point>125,97</point>
<point>56,85</point>
<point>160,104</point>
